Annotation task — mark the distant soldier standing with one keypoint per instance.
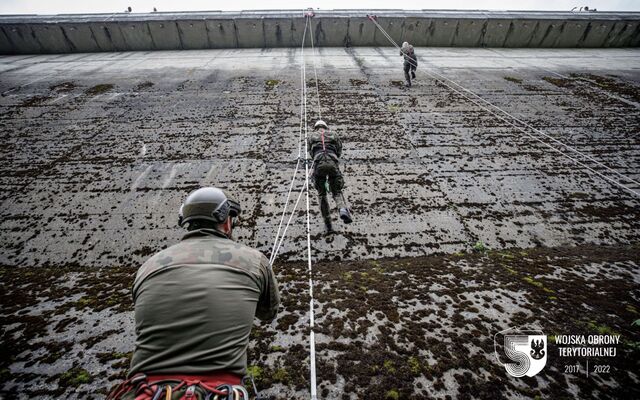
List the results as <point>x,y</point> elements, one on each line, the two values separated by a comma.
<point>194,307</point>
<point>410,62</point>
<point>325,147</point>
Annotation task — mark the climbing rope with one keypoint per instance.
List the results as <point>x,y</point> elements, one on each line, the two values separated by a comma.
<point>282,231</point>
<point>442,78</point>
<point>312,338</point>
<point>278,240</point>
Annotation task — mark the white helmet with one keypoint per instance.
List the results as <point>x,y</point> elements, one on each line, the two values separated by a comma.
<point>320,123</point>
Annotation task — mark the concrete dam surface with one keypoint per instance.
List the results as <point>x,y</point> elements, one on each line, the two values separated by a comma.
<point>25,34</point>
<point>470,215</point>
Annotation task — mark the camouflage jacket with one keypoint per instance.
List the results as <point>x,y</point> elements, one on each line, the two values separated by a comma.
<point>195,303</point>
<point>332,145</point>
<point>409,55</point>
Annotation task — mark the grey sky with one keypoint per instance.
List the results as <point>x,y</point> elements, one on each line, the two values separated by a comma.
<point>109,6</point>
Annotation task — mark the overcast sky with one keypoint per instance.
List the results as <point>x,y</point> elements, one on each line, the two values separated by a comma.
<point>109,6</point>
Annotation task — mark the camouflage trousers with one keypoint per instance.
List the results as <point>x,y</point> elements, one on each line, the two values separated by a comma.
<point>409,67</point>
<point>327,177</point>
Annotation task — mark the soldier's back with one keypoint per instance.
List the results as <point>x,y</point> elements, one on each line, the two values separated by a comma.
<point>194,306</point>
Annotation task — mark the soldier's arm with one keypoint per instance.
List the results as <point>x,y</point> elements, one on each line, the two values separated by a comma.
<point>270,297</point>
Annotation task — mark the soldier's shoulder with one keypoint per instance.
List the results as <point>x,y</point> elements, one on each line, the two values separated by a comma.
<point>250,251</point>
<point>233,253</point>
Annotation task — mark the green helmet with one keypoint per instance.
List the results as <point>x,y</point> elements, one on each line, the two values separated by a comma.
<point>208,203</point>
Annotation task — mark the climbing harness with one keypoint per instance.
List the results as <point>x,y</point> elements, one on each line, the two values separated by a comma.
<point>183,387</point>
<point>524,126</point>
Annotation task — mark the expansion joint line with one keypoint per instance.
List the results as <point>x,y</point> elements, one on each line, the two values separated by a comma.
<point>487,104</point>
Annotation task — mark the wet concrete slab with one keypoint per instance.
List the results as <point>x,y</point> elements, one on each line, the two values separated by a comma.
<point>108,145</point>
<point>99,151</point>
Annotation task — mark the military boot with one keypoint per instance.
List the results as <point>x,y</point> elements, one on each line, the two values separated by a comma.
<point>328,226</point>
<point>345,215</point>
<point>413,74</point>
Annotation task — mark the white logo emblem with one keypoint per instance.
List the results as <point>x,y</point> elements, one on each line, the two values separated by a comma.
<point>527,353</point>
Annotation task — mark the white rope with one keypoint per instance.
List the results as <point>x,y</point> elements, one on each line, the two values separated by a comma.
<point>442,77</point>
<point>312,346</point>
<point>276,245</point>
<point>279,239</point>
<point>284,233</point>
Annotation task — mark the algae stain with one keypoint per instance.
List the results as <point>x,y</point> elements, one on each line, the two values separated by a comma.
<point>270,84</point>
<point>99,89</point>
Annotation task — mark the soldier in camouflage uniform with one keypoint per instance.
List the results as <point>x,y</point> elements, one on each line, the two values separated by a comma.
<point>410,62</point>
<point>325,147</point>
<point>195,303</point>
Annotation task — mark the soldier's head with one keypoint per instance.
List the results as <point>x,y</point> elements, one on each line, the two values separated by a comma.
<point>209,208</point>
<point>320,124</point>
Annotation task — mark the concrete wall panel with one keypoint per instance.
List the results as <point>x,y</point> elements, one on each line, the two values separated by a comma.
<point>361,31</point>
<point>627,33</point>
<point>469,33</point>
<point>572,35</point>
<point>496,32</point>
<point>330,32</point>
<point>297,28</point>
<point>634,40</point>
<point>415,31</point>
<point>51,38</point>
<point>5,44</point>
<point>165,35</point>
<point>250,32</point>
<point>546,33</point>
<point>79,36</point>
<point>278,32</point>
<point>193,34</point>
<point>221,33</point>
<point>137,36</point>
<point>23,39</point>
<point>393,26</point>
<point>109,37</point>
<point>443,32</point>
<point>520,33</point>
<point>595,34</point>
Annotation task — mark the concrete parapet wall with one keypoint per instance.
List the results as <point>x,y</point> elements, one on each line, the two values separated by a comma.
<point>32,34</point>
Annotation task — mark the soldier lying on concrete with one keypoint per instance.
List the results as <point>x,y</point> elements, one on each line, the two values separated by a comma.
<point>194,307</point>
<point>410,62</point>
<point>325,147</point>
